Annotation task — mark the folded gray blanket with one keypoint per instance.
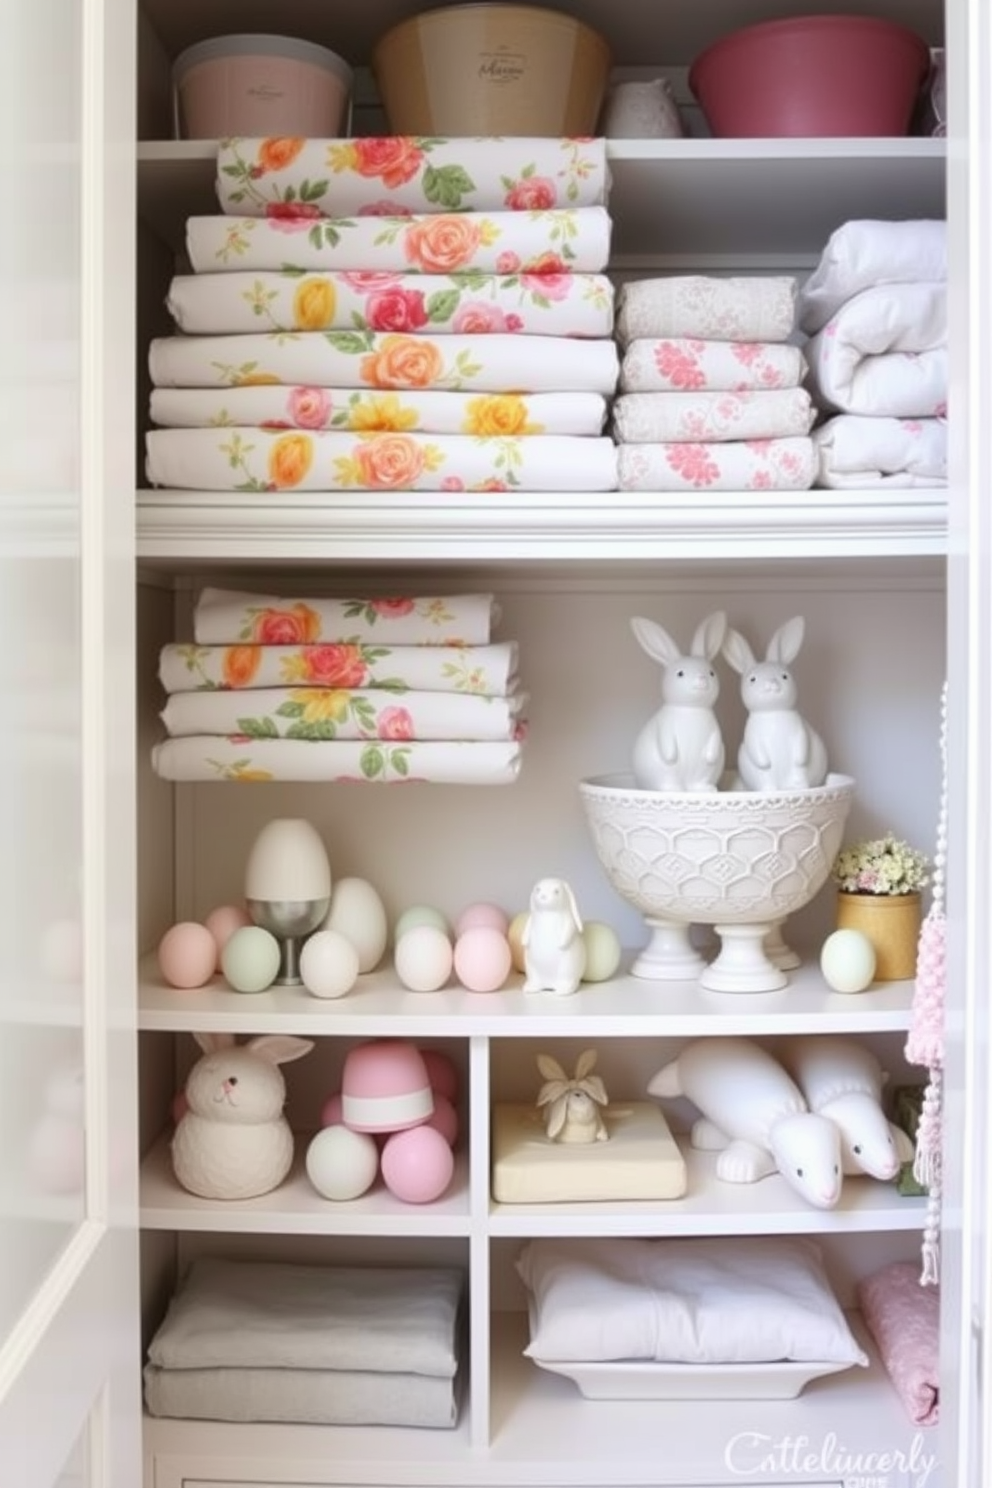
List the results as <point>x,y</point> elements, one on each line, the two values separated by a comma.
<point>273,1315</point>
<point>323,1397</point>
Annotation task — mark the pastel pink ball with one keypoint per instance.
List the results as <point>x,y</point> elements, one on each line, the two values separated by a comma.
<point>483,959</point>
<point>417,1165</point>
<point>187,955</point>
<point>223,921</point>
<point>332,1111</point>
<point>444,1119</point>
<point>482,914</point>
<point>442,1073</point>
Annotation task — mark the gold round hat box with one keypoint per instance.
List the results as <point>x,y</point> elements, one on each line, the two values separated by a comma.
<point>482,69</point>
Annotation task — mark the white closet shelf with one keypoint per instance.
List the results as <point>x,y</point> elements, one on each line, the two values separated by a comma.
<point>562,527</point>
<point>649,1443</point>
<point>295,1207</point>
<point>626,1007</point>
<point>674,202</point>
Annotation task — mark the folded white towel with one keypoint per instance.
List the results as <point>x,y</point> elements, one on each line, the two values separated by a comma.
<point>272,1314</point>
<point>855,451</point>
<point>242,459</point>
<point>234,616</point>
<point>382,761</point>
<point>759,308</point>
<point>641,418</point>
<point>739,465</point>
<point>866,252</point>
<point>321,1397</point>
<point>686,364</point>
<point>884,353</point>
<point>409,173</point>
<point>483,670</point>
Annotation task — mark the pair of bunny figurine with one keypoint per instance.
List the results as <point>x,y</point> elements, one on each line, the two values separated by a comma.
<point>681,747</point>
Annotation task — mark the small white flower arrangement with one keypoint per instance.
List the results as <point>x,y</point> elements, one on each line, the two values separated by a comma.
<point>882,865</point>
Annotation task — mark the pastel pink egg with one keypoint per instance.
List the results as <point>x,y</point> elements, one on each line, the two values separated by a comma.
<point>187,955</point>
<point>442,1073</point>
<point>223,921</point>
<point>482,914</point>
<point>417,1165</point>
<point>444,1119</point>
<point>332,1112</point>
<point>483,959</point>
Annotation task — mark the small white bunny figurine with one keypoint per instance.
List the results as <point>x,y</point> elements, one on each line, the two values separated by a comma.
<point>234,1141</point>
<point>573,1113</point>
<point>779,749</point>
<point>681,747</point>
<point>553,944</point>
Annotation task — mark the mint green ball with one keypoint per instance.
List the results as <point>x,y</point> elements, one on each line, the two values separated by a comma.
<point>420,914</point>
<point>250,959</point>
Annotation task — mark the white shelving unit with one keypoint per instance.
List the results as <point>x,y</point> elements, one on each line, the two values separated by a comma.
<point>868,570</point>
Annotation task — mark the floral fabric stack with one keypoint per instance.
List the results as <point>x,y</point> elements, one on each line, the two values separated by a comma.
<point>392,314</point>
<point>875,311</point>
<point>370,689</point>
<point>711,395</point>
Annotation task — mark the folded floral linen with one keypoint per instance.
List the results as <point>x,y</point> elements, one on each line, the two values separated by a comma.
<point>540,242</point>
<point>697,305</point>
<point>342,713</point>
<point>321,1397</point>
<point>884,353</point>
<point>391,175</point>
<point>855,450</point>
<point>903,1318</point>
<point>687,364</point>
<point>354,359</point>
<point>746,465</point>
<point>864,253</point>
<point>365,411</point>
<point>477,304</point>
<point>224,616</point>
<point>285,1315</point>
<point>443,762</point>
<point>644,418</point>
<point>259,460</point>
<point>488,671</point>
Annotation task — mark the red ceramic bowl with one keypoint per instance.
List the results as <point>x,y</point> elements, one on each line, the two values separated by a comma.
<point>812,76</point>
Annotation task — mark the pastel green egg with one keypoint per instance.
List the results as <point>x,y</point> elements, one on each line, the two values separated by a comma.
<point>420,914</point>
<point>602,951</point>
<point>250,959</point>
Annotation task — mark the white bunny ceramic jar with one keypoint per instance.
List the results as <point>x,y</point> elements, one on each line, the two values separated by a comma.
<point>779,750</point>
<point>234,1141</point>
<point>681,747</point>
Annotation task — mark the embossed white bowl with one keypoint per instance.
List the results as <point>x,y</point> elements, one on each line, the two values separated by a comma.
<point>734,859</point>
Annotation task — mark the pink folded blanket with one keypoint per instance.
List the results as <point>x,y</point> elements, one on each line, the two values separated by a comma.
<point>903,1318</point>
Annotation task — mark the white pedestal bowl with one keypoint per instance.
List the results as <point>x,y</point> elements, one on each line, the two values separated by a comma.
<point>740,861</point>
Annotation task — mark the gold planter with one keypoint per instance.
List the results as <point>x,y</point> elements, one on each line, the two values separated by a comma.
<point>892,924</point>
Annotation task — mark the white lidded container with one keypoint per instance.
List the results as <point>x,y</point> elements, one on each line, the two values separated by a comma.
<point>259,85</point>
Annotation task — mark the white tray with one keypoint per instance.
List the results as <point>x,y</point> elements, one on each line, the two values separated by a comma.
<point>647,1380</point>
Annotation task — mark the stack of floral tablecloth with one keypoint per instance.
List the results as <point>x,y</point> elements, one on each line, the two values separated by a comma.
<point>711,386</point>
<point>383,689</point>
<point>392,314</point>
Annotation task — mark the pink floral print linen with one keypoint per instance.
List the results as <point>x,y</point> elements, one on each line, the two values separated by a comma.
<point>555,241</point>
<point>751,465</point>
<point>903,1317</point>
<point>396,174</point>
<point>343,713</point>
<point>367,411</point>
<point>700,418</point>
<point>884,354</point>
<point>263,461</point>
<point>750,308</point>
<point>861,452</point>
<point>547,304</point>
<point>487,671</point>
<point>238,758</point>
<point>236,617</point>
<point>686,364</point>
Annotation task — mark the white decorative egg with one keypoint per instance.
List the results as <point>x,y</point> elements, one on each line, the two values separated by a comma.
<point>358,913</point>
<point>342,1164</point>
<point>847,960</point>
<point>328,964</point>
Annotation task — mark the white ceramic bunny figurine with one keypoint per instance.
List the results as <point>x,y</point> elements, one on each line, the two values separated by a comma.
<point>779,750</point>
<point>681,747</point>
<point>573,1112</point>
<point>234,1141</point>
<point>553,944</point>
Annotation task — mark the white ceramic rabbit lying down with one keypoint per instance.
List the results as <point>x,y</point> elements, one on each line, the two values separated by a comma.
<point>681,747</point>
<point>779,750</point>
